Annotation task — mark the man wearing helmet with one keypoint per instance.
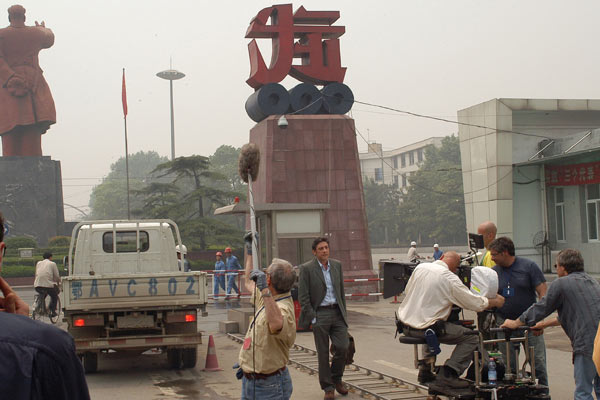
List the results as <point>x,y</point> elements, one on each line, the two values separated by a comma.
<point>232,266</point>
<point>219,278</point>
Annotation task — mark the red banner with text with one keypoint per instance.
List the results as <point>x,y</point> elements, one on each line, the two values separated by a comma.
<point>576,174</point>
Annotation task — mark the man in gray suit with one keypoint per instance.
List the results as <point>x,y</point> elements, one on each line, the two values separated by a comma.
<point>321,295</point>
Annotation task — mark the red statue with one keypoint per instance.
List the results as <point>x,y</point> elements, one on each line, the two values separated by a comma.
<point>318,46</point>
<point>26,104</point>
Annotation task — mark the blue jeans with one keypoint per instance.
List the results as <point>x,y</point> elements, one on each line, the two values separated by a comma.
<point>276,387</point>
<point>539,354</point>
<point>231,284</point>
<point>586,378</point>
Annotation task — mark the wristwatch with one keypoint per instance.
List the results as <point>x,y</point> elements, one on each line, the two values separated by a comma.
<point>266,292</point>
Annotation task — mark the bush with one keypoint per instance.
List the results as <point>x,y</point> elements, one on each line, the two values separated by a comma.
<point>59,241</point>
<point>13,271</point>
<point>19,242</point>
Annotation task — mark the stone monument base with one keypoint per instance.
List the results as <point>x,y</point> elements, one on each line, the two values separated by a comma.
<point>31,197</point>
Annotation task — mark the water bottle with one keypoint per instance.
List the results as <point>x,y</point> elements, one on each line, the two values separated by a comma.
<point>432,342</point>
<point>492,376</point>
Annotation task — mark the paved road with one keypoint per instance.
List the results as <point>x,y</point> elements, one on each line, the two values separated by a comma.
<point>147,377</point>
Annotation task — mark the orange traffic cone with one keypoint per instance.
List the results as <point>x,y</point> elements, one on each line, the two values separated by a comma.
<point>212,364</point>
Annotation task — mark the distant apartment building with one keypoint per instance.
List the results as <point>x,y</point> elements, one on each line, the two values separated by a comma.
<point>394,166</point>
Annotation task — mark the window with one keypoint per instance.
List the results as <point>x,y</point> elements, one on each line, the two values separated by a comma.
<point>559,206</point>
<point>593,209</point>
<point>395,162</point>
<point>404,183</point>
<point>419,155</point>
<point>403,160</point>
<point>378,175</point>
<point>411,158</point>
<point>126,242</point>
<point>396,180</point>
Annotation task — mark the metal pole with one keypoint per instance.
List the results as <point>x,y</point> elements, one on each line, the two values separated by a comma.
<point>127,169</point>
<point>255,265</point>
<point>172,123</point>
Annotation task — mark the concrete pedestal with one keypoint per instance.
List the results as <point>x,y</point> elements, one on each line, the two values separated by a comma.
<point>31,197</point>
<point>315,160</point>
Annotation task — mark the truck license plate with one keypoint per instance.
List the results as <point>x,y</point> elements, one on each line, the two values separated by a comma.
<point>135,321</point>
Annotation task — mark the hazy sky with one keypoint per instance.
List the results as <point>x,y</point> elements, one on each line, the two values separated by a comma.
<point>429,57</point>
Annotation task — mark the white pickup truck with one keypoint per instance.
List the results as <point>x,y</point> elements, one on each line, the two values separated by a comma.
<point>125,291</point>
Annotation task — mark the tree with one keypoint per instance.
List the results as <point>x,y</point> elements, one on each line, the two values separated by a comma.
<point>109,199</point>
<point>432,208</point>
<point>382,202</point>
<point>225,162</point>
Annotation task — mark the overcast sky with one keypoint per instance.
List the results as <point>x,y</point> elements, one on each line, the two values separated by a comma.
<point>429,57</point>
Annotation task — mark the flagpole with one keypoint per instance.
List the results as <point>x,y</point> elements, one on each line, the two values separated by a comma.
<point>124,98</point>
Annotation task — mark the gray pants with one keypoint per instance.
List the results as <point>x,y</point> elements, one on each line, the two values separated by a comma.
<point>330,324</point>
<point>465,343</point>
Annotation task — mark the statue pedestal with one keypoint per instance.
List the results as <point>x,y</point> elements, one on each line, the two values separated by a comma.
<point>31,198</point>
<point>315,160</point>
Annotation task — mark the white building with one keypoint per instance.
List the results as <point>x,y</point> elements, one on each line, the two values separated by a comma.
<point>394,166</point>
<point>533,167</point>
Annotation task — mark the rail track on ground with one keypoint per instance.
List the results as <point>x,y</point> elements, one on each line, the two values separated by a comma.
<point>369,383</point>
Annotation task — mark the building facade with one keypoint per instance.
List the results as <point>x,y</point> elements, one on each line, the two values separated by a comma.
<point>394,166</point>
<point>532,166</point>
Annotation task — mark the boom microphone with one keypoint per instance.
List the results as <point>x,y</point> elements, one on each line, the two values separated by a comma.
<point>249,162</point>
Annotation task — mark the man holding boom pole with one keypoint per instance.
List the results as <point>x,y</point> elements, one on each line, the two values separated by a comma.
<point>265,352</point>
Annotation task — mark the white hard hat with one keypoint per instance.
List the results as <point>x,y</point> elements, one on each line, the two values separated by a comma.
<point>413,243</point>
<point>183,249</point>
<point>436,245</point>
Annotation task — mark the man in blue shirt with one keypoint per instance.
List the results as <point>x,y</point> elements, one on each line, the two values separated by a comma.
<point>232,266</point>
<point>519,281</point>
<point>437,253</point>
<point>219,279</point>
<point>38,359</point>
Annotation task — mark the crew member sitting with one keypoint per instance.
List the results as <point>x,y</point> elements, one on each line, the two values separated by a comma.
<point>430,293</point>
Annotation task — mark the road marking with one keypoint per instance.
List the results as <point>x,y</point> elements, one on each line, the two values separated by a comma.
<point>398,367</point>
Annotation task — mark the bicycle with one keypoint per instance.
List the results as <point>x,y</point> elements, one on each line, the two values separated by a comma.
<point>41,308</point>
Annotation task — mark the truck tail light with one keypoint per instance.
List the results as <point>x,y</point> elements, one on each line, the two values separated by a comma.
<point>190,317</point>
<point>181,316</point>
<point>88,320</point>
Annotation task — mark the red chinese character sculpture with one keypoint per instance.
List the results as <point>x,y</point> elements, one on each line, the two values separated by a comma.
<point>318,46</point>
<point>26,104</point>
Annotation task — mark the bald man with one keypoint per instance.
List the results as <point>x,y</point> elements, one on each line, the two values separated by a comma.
<point>430,293</point>
<point>488,230</point>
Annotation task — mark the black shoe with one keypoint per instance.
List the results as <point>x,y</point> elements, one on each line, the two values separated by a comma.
<point>426,376</point>
<point>53,314</point>
<point>448,377</point>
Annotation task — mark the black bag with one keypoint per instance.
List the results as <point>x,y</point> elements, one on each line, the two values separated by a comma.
<point>349,353</point>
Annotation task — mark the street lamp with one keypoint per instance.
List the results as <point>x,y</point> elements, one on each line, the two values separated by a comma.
<point>171,75</point>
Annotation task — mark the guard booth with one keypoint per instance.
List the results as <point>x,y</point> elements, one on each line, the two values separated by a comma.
<point>285,230</point>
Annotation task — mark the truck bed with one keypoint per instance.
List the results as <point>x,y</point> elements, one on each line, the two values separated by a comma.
<point>134,291</point>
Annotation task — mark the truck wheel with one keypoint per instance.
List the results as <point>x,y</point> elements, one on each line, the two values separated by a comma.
<point>90,362</point>
<point>174,358</point>
<point>190,355</point>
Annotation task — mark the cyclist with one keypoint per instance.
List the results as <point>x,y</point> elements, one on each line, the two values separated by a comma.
<point>47,280</point>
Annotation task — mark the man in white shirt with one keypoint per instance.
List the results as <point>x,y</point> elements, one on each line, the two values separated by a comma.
<point>412,254</point>
<point>47,280</point>
<point>430,293</point>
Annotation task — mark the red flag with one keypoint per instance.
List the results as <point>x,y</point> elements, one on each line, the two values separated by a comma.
<point>124,95</point>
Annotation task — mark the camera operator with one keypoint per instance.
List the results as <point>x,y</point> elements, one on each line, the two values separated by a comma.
<point>430,293</point>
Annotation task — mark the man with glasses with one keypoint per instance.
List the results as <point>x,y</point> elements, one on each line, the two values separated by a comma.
<point>519,281</point>
<point>38,360</point>
<point>576,296</point>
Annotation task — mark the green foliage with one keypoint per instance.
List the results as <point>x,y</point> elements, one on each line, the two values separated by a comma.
<point>13,271</point>
<point>382,205</point>
<point>59,241</point>
<point>19,242</point>
<point>432,209</point>
<point>109,199</point>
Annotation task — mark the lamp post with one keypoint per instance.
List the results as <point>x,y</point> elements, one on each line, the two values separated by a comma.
<point>171,75</point>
